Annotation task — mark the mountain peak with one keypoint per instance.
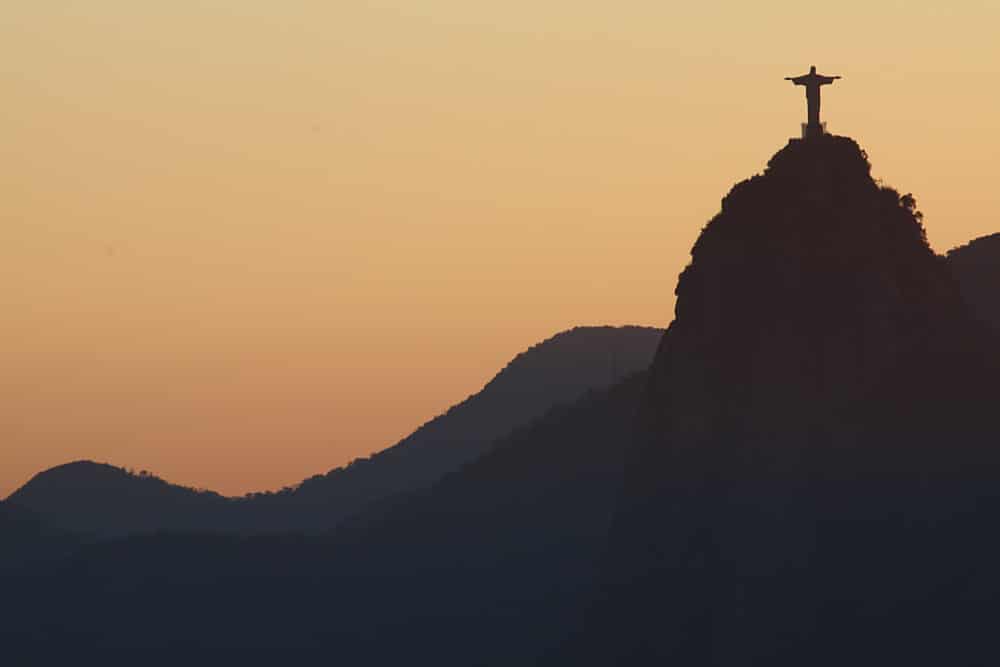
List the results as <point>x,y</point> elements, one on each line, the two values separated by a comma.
<point>832,153</point>
<point>821,411</point>
<point>75,474</point>
<point>812,237</point>
<point>101,498</point>
<point>811,293</point>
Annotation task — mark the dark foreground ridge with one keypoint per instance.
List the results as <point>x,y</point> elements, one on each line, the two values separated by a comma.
<point>807,474</point>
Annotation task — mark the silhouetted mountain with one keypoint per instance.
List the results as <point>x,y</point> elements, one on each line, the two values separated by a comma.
<point>104,500</point>
<point>977,267</point>
<point>101,499</point>
<point>556,371</point>
<point>489,566</point>
<point>817,466</point>
<point>807,474</point>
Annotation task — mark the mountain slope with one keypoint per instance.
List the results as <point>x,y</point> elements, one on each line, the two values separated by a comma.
<point>977,267</point>
<point>556,371</point>
<point>107,501</point>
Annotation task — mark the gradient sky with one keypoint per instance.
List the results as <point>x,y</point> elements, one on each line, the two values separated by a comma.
<point>243,242</point>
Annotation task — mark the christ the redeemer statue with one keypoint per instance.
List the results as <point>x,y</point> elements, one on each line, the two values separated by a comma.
<point>812,81</point>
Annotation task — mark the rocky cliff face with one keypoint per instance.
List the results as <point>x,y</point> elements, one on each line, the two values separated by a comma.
<point>813,310</point>
<point>817,446</point>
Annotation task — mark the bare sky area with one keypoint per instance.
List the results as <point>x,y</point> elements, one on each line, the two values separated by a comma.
<point>244,242</point>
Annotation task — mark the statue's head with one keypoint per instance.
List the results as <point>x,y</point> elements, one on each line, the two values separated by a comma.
<point>812,70</point>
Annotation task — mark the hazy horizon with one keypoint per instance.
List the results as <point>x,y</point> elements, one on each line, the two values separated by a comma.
<point>250,242</point>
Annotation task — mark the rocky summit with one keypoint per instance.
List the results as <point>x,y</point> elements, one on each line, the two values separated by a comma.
<point>817,456</point>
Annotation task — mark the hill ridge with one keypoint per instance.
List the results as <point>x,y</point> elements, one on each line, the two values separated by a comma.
<point>105,499</point>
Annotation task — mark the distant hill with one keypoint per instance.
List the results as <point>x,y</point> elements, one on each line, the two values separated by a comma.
<point>977,267</point>
<point>105,500</point>
<point>101,499</point>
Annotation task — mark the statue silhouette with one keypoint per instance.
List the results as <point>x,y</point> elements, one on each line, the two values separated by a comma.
<point>812,81</point>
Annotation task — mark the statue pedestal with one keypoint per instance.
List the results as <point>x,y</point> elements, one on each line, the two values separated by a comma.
<point>810,130</point>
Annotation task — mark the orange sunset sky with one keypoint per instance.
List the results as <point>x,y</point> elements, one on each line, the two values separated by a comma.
<point>243,242</point>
